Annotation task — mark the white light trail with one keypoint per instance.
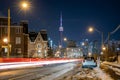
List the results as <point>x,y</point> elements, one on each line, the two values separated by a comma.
<point>14,65</point>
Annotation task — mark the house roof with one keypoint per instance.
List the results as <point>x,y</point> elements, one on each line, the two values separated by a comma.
<point>33,35</point>
<point>44,34</point>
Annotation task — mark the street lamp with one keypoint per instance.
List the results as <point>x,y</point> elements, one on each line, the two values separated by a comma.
<point>5,40</point>
<point>103,48</point>
<point>91,29</point>
<point>108,37</point>
<point>83,44</point>
<point>8,52</point>
<point>65,39</point>
<point>25,6</point>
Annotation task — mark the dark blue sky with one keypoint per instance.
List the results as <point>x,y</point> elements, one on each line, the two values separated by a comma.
<point>77,16</point>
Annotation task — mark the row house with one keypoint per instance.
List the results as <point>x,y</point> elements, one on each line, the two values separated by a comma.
<point>22,43</point>
<point>18,38</point>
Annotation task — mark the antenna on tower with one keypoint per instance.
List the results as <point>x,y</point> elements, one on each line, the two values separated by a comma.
<point>60,19</point>
<point>61,26</point>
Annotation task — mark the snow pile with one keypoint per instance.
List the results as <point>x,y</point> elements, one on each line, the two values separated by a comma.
<point>79,73</point>
<point>113,66</point>
<point>87,74</point>
<point>102,74</point>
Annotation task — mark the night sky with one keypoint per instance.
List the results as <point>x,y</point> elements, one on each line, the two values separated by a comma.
<point>104,15</point>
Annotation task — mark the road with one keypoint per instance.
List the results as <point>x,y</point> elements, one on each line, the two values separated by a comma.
<point>48,72</point>
<point>61,71</point>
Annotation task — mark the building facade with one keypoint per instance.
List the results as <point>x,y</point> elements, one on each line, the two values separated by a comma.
<point>18,38</point>
<point>38,44</point>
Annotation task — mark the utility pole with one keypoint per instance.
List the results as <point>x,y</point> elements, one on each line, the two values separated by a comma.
<point>102,44</point>
<point>107,54</point>
<point>8,52</point>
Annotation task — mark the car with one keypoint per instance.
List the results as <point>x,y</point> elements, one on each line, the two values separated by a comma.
<point>89,62</point>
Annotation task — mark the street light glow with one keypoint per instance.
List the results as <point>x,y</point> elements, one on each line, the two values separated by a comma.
<point>65,39</point>
<point>90,29</point>
<point>83,43</point>
<point>5,40</point>
<point>104,48</point>
<point>24,5</point>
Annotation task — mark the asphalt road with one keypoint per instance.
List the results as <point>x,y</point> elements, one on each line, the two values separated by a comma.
<point>48,72</point>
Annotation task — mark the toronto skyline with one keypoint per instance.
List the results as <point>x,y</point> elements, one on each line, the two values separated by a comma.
<point>77,16</point>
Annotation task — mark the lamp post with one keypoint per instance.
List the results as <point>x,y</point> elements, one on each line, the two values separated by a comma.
<point>25,6</point>
<point>108,38</point>
<point>66,51</point>
<point>8,52</point>
<point>91,29</point>
<point>66,40</point>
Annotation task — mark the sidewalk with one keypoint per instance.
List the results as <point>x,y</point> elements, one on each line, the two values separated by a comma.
<point>102,75</point>
<point>79,73</point>
<point>112,64</point>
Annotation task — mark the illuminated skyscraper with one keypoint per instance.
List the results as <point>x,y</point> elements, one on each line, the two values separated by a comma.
<point>61,30</point>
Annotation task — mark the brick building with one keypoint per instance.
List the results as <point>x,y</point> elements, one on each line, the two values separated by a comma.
<point>18,38</point>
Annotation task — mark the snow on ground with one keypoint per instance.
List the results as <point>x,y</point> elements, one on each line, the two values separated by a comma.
<point>101,74</point>
<point>112,63</point>
<point>86,74</point>
<point>113,66</point>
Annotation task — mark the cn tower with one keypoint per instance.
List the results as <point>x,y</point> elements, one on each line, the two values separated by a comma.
<point>61,30</point>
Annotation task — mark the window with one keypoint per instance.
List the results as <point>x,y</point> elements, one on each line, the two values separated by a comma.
<point>18,50</point>
<point>45,46</point>
<point>38,39</point>
<point>18,40</point>
<point>18,30</point>
<point>6,30</point>
<point>38,46</point>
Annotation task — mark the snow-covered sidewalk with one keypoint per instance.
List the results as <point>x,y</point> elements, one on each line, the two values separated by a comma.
<point>113,66</point>
<point>79,73</point>
<point>102,75</point>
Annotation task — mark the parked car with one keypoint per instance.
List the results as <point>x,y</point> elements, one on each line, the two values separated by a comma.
<point>89,62</point>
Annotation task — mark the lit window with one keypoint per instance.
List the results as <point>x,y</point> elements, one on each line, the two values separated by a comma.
<point>39,51</point>
<point>18,40</point>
